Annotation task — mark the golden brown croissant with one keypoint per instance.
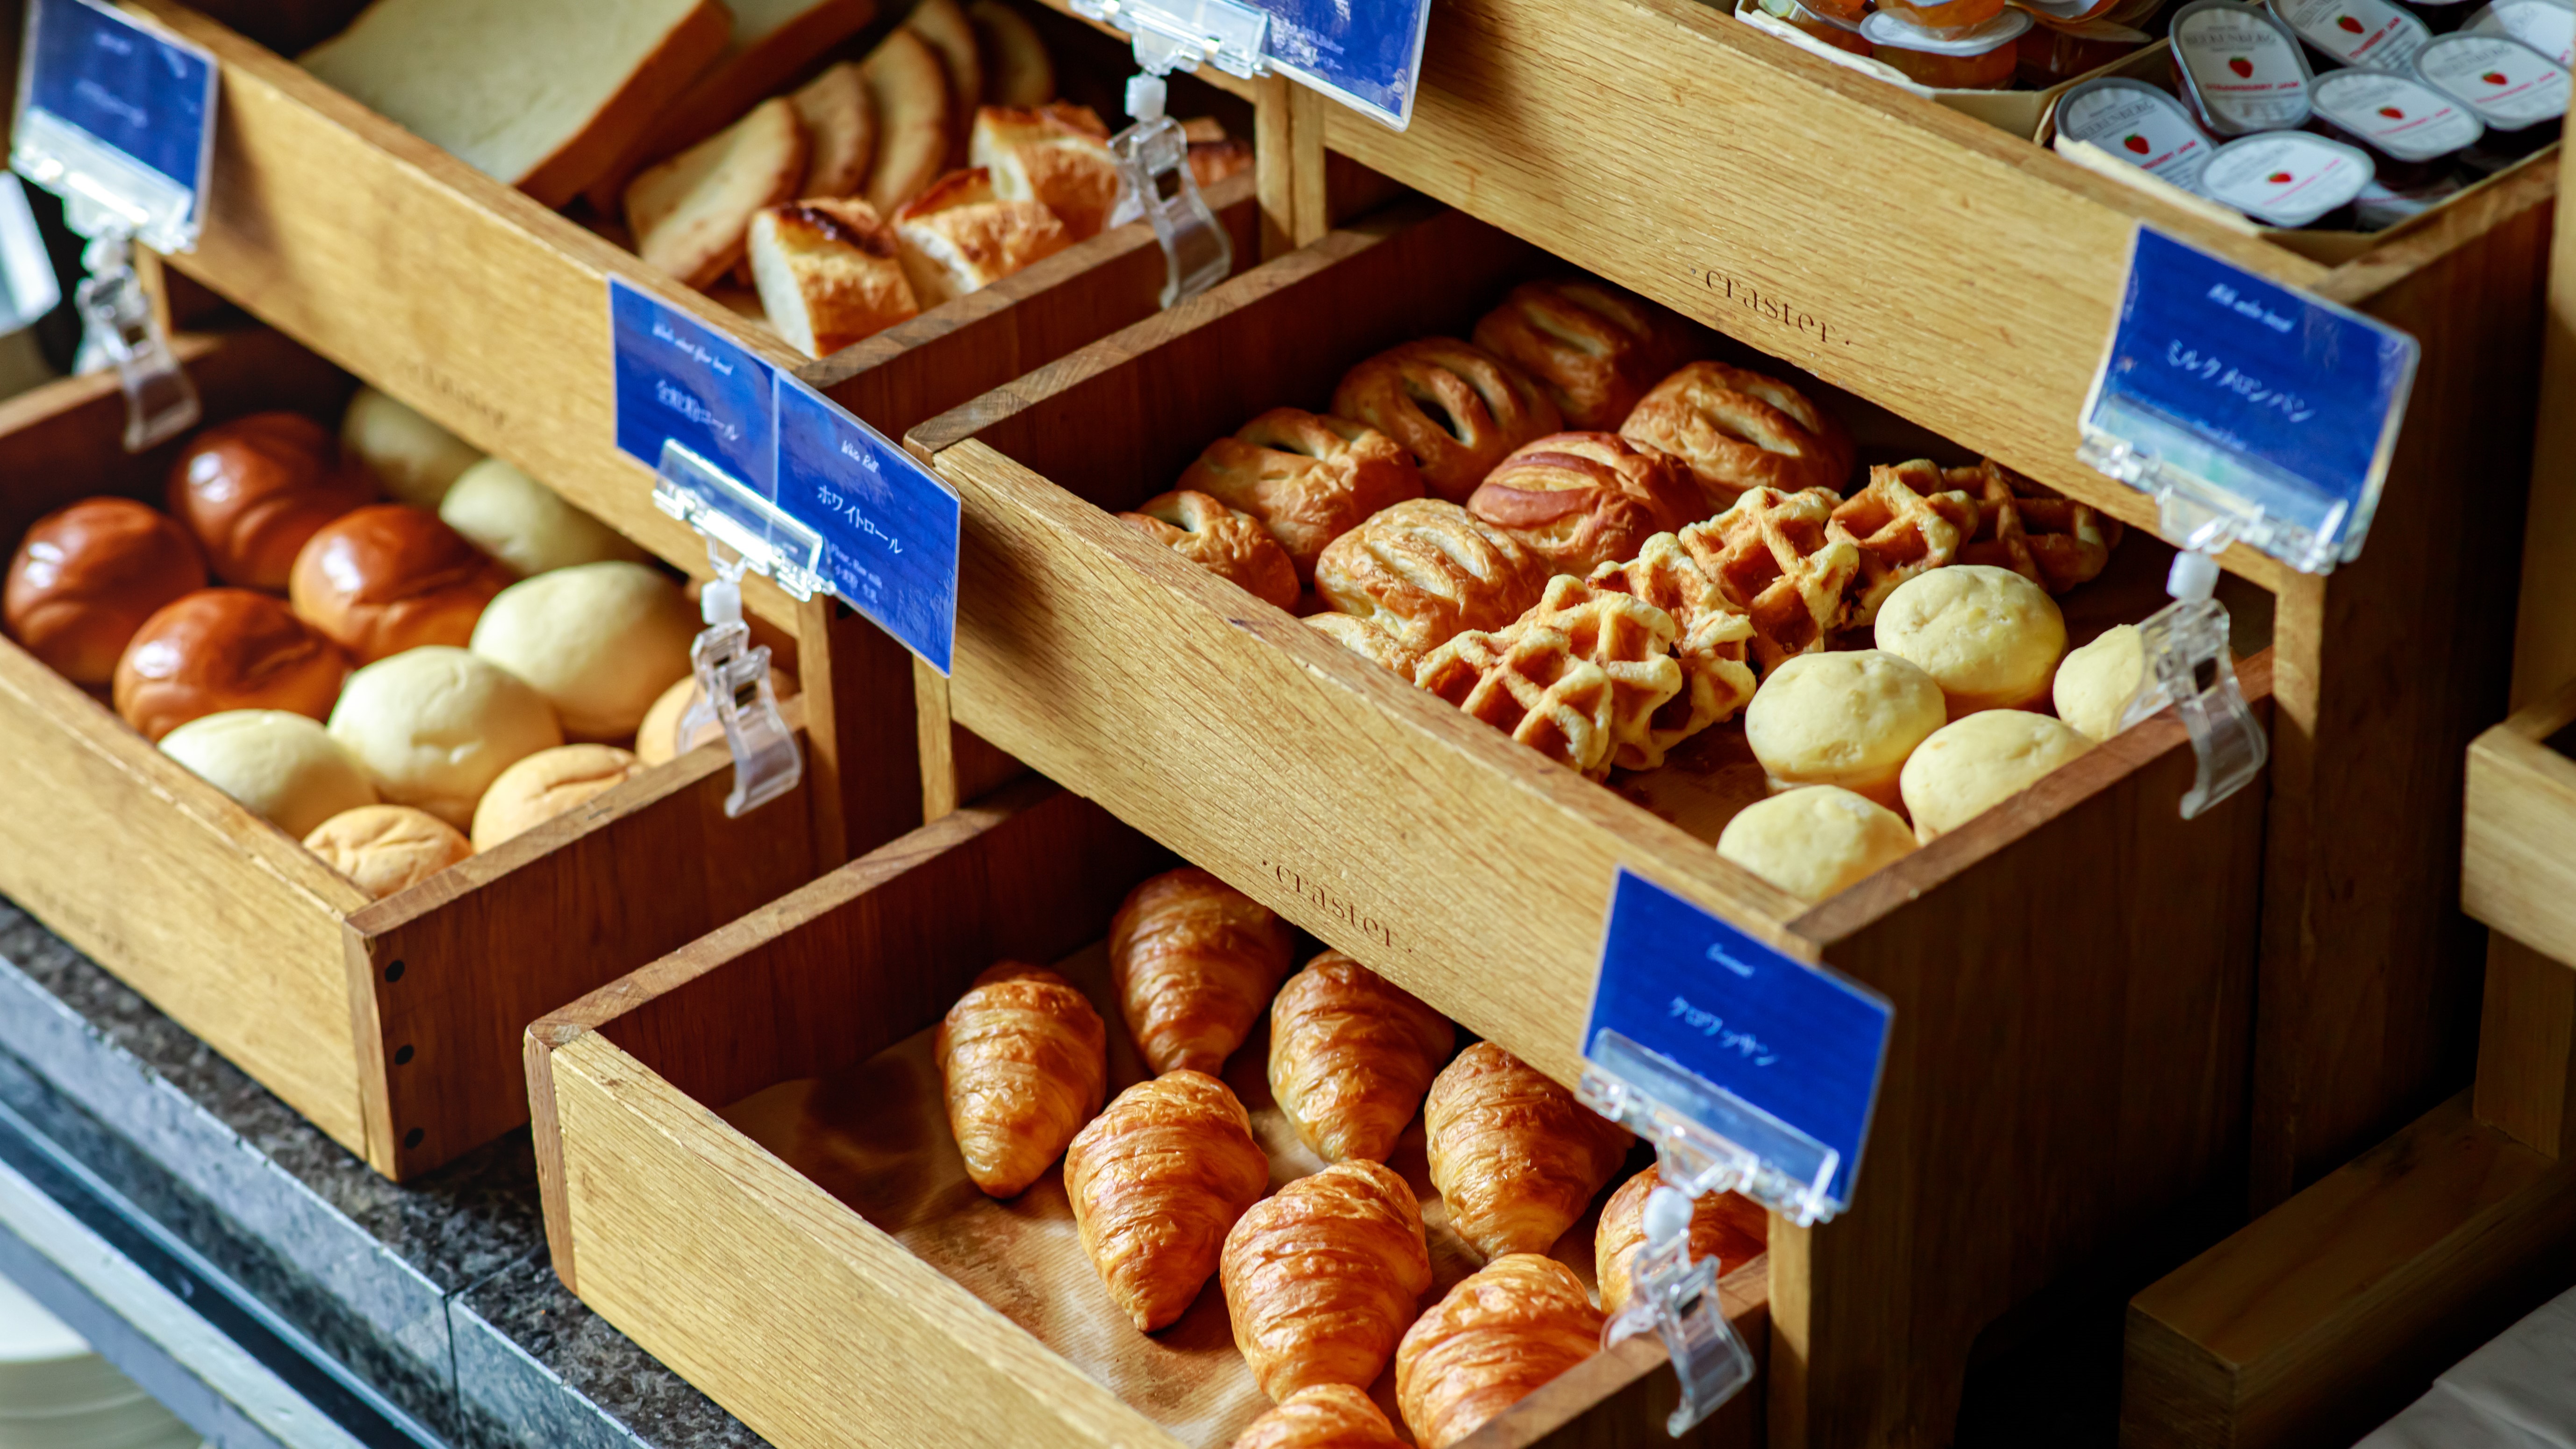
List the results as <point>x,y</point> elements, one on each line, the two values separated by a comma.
<point>1500,1334</point>
<point>1196,961</point>
<point>1025,1061</point>
<point>1727,1226</point>
<point>1157,1180</point>
<point>1326,1416</point>
<point>1323,1276</point>
<point>1514,1155</point>
<point>1350,1055</point>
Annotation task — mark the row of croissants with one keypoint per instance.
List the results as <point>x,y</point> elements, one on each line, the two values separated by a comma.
<point>1322,1279</point>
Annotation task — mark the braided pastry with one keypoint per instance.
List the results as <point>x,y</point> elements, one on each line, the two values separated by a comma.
<point>1736,430</point>
<point>1593,348</point>
<point>1323,1416</point>
<point>1503,1333</point>
<point>1427,570</point>
<point>1727,1226</point>
<point>1456,407</point>
<point>1581,500</point>
<point>1513,1154</point>
<point>1195,961</point>
<point>1024,1061</point>
<point>1157,1181</point>
<point>1233,546</point>
<point>1370,641</point>
<point>1350,1055</point>
<point>1307,477</point>
<point>1323,1275</point>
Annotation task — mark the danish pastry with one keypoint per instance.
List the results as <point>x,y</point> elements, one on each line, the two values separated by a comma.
<point>1324,1416</point>
<point>1710,647</point>
<point>1427,570</point>
<point>1157,1181</point>
<point>1309,478</point>
<point>1581,500</point>
<point>1500,1335</point>
<point>1370,641</point>
<point>1774,557</point>
<point>1514,1155</point>
<point>1736,430</point>
<point>1906,522</point>
<point>1631,641</point>
<point>1456,407</point>
<point>2052,541</point>
<point>1727,1226</point>
<point>1233,546</point>
<point>1195,961</point>
<point>1531,683</point>
<point>1323,1275</point>
<point>1595,350</point>
<point>1350,1055</point>
<point>1025,1062</point>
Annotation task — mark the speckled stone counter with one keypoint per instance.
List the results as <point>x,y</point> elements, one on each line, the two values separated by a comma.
<point>436,1294</point>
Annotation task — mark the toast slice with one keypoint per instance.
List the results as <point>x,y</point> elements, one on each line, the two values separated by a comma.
<point>1017,71</point>
<point>828,274</point>
<point>909,88</point>
<point>944,24</point>
<point>1045,155</point>
<point>960,236</point>
<point>543,95</point>
<point>840,131</point>
<point>691,212</point>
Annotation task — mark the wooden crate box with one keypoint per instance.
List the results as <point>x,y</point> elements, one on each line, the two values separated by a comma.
<point>810,1321</point>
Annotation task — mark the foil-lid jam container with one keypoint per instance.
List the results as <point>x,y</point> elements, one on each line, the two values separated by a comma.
<point>2049,53</point>
<point>2408,127</point>
<point>2139,124</point>
<point>1841,35</point>
<point>1981,60</point>
<point>2371,33</point>
<point>2547,26</point>
<point>2286,178</point>
<point>2239,69</point>
<point>2379,207</point>
<point>2513,88</point>
<point>1948,19</point>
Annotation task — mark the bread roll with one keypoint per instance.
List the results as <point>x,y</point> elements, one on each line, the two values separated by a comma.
<point>600,641</point>
<point>412,459</point>
<point>1989,636</point>
<point>1023,1064</point>
<point>391,577</point>
<point>387,848</point>
<point>545,785</point>
<point>828,274</point>
<point>220,649</point>
<point>961,235</point>
<point>1195,962</point>
<point>1972,765</point>
<point>1046,155</point>
<point>2095,683</point>
<point>435,726</point>
<point>1847,718</point>
<point>1817,841</point>
<point>657,740</point>
<point>1583,500</point>
<point>1231,545</point>
<point>526,524</point>
<point>943,23</point>
<point>284,768</point>
<point>87,576</point>
<point>254,489</point>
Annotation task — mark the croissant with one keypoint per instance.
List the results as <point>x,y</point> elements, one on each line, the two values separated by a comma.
<point>1350,1055</point>
<point>1323,1276</point>
<point>1325,1416</point>
<point>1156,1182</point>
<point>1025,1062</point>
<point>1501,1333</point>
<point>1195,960</point>
<point>1514,1155</point>
<point>1727,1226</point>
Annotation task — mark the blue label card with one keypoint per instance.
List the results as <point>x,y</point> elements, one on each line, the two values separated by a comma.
<point>1368,57</point>
<point>146,96</point>
<point>889,525</point>
<point>1793,1041</point>
<point>679,380</point>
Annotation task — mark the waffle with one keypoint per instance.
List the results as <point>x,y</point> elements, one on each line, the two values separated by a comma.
<point>1773,557</point>
<point>1909,519</point>
<point>1716,680</point>
<point>1531,684</point>
<point>1631,640</point>
<point>2045,537</point>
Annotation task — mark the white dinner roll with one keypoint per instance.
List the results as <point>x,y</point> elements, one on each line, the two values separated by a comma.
<point>436,725</point>
<point>2095,683</point>
<point>1816,841</point>
<point>283,767</point>
<point>1971,765</point>
<point>600,641</point>
<point>1846,719</point>
<point>414,458</point>
<point>526,524</point>
<point>1991,637</point>
<point>387,848</point>
<point>657,740</point>
<point>545,785</point>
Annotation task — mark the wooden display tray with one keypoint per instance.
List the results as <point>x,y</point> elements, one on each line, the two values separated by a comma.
<point>392,1025</point>
<point>2072,973</point>
<point>2519,868</point>
<point>814,1290</point>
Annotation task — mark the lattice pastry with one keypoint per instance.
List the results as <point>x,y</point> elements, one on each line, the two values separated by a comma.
<point>1714,634</point>
<point>1773,556</point>
<point>1531,684</point>
<point>1633,641</point>
<point>2038,533</point>
<point>1594,348</point>
<point>1908,520</point>
<point>1427,570</point>
<point>1737,430</point>
<point>1456,407</point>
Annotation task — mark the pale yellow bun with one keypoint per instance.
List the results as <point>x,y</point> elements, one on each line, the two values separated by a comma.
<point>387,848</point>
<point>657,740</point>
<point>2095,683</point>
<point>1991,637</point>
<point>545,785</point>
<point>526,524</point>
<point>284,768</point>
<point>414,459</point>
<point>600,641</point>
<point>1847,719</point>
<point>1977,763</point>
<point>1816,841</point>
<point>435,726</point>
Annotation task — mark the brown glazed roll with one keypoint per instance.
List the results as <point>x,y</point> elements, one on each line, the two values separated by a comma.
<point>1308,477</point>
<point>1503,1333</point>
<point>1195,961</point>
<point>1157,1181</point>
<point>1581,500</point>
<point>1515,1156</point>
<point>219,649</point>
<point>1350,1056</point>
<point>1233,546</point>
<point>1325,1416</point>
<point>1593,348</point>
<point>87,576</point>
<point>254,489</point>
<point>1737,430</point>
<point>387,848</point>
<point>1456,407</point>
<point>1025,1062</point>
<point>1727,1226</point>
<point>389,577</point>
<point>1323,1276</point>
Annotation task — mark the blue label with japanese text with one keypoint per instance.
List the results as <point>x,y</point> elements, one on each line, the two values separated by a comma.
<point>1368,56</point>
<point>142,92</point>
<point>889,525</point>
<point>679,380</point>
<point>1796,1041</point>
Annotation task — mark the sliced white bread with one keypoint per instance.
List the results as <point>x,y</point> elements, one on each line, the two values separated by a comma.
<point>542,94</point>
<point>840,131</point>
<point>909,88</point>
<point>691,212</point>
<point>1017,71</point>
<point>944,24</point>
<point>1046,156</point>
<point>828,273</point>
<point>959,236</point>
